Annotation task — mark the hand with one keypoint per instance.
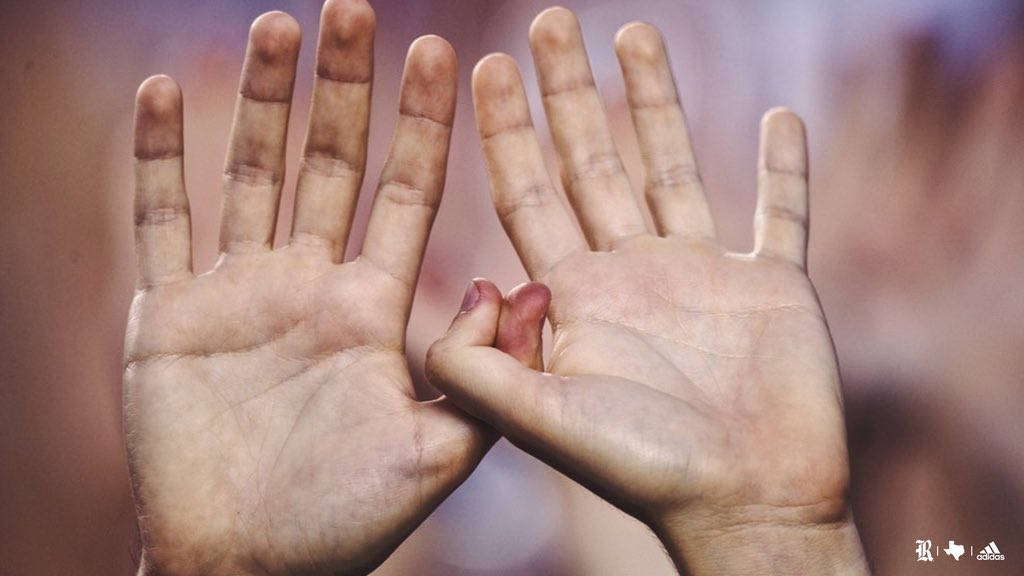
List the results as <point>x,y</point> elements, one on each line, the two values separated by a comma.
<point>271,420</point>
<point>694,388</point>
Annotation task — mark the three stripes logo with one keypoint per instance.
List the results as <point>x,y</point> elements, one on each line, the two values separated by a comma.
<point>991,552</point>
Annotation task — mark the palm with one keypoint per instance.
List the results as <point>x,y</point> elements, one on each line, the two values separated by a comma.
<point>724,355</point>
<point>271,419</point>
<point>286,416</point>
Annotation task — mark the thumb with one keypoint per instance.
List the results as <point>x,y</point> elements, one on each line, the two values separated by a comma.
<point>476,323</point>
<point>486,382</point>
<point>521,323</point>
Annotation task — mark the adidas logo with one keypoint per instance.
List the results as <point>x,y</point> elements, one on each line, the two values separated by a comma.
<point>991,552</point>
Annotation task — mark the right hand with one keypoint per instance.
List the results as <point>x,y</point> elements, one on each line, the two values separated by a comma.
<point>694,388</point>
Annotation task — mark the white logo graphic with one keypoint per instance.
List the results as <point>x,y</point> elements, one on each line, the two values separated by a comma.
<point>924,551</point>
<point>955,550</point>
<point>991,552</point>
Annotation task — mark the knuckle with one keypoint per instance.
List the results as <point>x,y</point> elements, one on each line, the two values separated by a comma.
<point>533,196</point>
<point>436,358</point>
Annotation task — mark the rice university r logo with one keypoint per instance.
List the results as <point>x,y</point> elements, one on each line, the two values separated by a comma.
<point>924,551</point>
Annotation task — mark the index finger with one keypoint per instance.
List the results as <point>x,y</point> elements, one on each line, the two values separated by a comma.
<point>413,177</point>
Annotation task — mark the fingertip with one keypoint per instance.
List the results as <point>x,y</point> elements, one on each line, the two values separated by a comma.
<point>347,19</point>
<point>158,118</point>
<point>432,57</point>
<point>480,290</point>
<point>639,42</point>
<point>476,322</point>
<point>158,99</point>
<point>556,42</point>
<point>554,29</point>
<point>495,75</point>
<point>269,71</point>
<point>499,98</point>
<point>784,141</point>
<point>521,322</point>
<point>783,117</point>
<point>530,300</point>
<point>345,49</point>
<point>275,37</point>
<point>429,80</point>
<point>158,95</point>
<point>434,48</point>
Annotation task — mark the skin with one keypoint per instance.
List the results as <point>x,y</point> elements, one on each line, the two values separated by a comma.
<point>271,421</point>
<point>694,388</point>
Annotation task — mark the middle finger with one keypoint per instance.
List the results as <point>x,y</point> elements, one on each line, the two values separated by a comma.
<point>592,172</point>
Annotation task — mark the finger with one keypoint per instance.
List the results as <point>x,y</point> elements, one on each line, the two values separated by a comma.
<point>255,164</point>
<point>566,421</point>
<point>528,206</point>
<point>334,155</point>
<point>162,226</point>
<point>521,323</point>
<point>453,362</point>
<point>591,168</point>
<point>476,324</point>
<point>780,221</point>
<point>671,179</point>
<point>539,412</point>
<point>413,176</point>
<point>489,384</point>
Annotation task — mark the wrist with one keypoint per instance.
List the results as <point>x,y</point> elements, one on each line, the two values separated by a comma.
<point>734,543</point>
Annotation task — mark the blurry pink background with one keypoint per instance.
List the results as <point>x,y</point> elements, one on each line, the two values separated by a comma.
<point>916,116</point>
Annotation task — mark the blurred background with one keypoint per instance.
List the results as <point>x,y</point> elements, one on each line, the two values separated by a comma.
<point>915,111</point>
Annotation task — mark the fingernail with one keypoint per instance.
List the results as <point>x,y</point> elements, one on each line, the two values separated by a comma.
<point>471,298</point>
